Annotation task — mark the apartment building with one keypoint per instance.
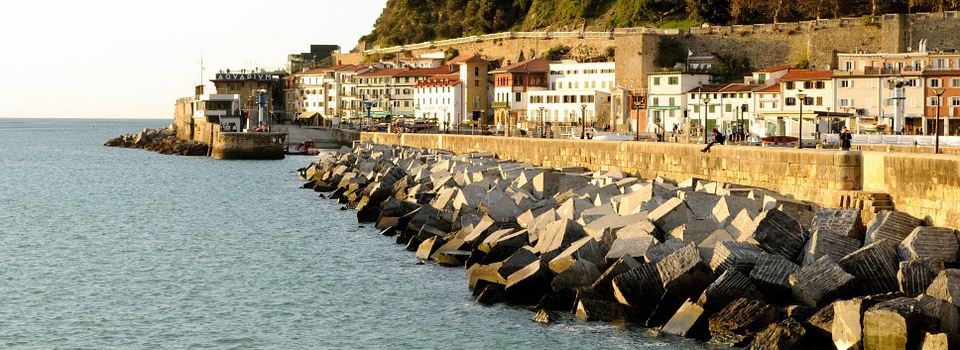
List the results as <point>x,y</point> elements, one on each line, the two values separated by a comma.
<point>575,91</point>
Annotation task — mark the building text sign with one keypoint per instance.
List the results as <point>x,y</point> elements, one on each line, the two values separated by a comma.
<point>242,77</point>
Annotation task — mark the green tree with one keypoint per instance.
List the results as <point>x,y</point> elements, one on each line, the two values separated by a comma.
<point>710,11</point>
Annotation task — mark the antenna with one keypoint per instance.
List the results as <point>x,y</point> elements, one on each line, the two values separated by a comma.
<point>201,67</point>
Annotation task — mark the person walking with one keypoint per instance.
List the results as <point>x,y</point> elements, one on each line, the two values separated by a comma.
<point>845,138</point>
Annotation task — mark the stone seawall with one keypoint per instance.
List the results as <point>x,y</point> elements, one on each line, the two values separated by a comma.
<point>816,176</point>
<point>925,186</point>
<point>240,145</point>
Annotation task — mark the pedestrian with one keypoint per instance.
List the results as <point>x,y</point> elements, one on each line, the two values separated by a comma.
<point>717,138</point>
<point>845,138</point>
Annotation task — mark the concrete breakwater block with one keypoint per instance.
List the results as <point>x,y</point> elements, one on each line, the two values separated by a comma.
<point>894,226</point>
<point>702,259</point>
<point>777,233</point>
<point>738,322</point>
<point>820,283</point>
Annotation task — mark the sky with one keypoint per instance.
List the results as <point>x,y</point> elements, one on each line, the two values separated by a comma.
<point>133,59</point>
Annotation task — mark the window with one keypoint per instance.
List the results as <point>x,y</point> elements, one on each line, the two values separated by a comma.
<point>656,101</point>
<point>728,108</point>
<point>673,80</point>
<point>476,70</point>
<point>933,101</point>
<point>656,80</point>
<point>955,101</point>
<point>789,85</point>
<point>808,85</point>
<point>518,97</point>
<point>476,83</point>
<point>790,101</point>
<point>761,78</point>
<point>934,83</point>
<point>672,101</point>
<point>712,109</point>
<point>955,83</point>
<point>819,101</point>
<point>844,102</point>
<point>696,108</point>
<point>845,83</point>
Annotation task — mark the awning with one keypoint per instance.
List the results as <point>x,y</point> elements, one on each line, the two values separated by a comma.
<point>308,115</point>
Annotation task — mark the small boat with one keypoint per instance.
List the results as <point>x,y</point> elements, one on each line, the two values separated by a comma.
<point>306,148</point>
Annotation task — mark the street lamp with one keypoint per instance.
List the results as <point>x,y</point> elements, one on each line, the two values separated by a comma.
<point>543,125</point>
<point>829,124</point>
<point>583,125</point>
<point>938,92</point>
<point>706,103</point>
<point>803,97</point>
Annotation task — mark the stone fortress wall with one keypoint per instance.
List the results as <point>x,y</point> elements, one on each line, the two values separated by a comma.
<point>815,42</point>
<point>925,186</point>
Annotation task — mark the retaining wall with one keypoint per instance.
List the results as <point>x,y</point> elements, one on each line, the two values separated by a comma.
<point>248,145</point>
<point>926,186</point>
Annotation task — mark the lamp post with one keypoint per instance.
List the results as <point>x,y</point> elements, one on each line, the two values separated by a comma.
<point>483,114</point>
<point>543,125</point>
<point>706,104</point>
<point>938,92</point>
<point>802,96</point>
<point>583,118</point>
<point>830,119</point>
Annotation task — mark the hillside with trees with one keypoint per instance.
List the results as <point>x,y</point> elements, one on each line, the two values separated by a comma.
<point>413,21</point>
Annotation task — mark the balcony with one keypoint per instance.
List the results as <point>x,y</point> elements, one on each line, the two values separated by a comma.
<point>500,104</point>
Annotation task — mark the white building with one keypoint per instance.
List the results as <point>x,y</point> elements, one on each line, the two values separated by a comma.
<point>219,108</point>
<point>439,98</point>
<point>667,98</point>
<point>575,91</point>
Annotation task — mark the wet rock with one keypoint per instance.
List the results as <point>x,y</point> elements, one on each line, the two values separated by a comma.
<point>490,294</point>
<point>518,260</point>
<point>690,321</point>
<point>451,257</point>
<point>528,285</point>
<point>788,334</point>
<point>738,322</point>
<point>599,310</point>
<point>640,289</point>
<point>489,273</point>
<point>578,276</point>
<point>545,316</point>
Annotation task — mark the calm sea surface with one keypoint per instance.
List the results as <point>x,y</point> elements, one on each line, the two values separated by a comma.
<point>106,248</point>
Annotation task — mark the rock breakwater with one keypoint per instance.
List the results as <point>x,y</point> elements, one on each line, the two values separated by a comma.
<point>728,264</point>
<point>161,140</point>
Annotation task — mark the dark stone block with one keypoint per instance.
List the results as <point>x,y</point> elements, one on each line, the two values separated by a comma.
<point>545,316</point>
<point>875,267</point>
<point>825,243</point>
<point>844,222</point>
<point>599,310</point>
<point>891,225</point>
<point>604,284</point>
<point>640,289</point>
<point>740,256</point>
<point>915,276</point>
<point>684,276</point>
<point>893,324</point>
<point>788,334</point>
<point>490,294</point>
<point>528,285</point>
<point>736,324</point>
<point>518,260</point>
<point>730,286</point>
<point>820,283</point>
<point>777,233</point>
<point>690,321</point>
<point>930,242</point>
<point>771,275</point>
<point>946,286</point>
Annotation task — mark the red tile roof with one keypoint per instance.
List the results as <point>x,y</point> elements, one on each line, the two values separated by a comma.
<point>740,87</point>
<point>440,81</point>
<point>534,65</point>
<point>325,69</point>
<point>708,88</point>
<point>465,58</point>
<point>806,74</point>
<point>404,72</point>
<point>357,68</point>
<point>771,88</point>
<point>773,69</point>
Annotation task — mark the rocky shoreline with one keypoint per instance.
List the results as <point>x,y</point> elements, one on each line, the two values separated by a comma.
<point>731,265</point>
<point>161,140</point>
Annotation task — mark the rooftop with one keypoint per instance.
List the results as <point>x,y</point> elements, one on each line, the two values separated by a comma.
<point>806,74</point>
<point>534,65</point>
<point>773,69</point>
<point>708,88</point>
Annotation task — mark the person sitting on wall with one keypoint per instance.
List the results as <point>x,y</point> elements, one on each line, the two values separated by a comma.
<point>717,138</point>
